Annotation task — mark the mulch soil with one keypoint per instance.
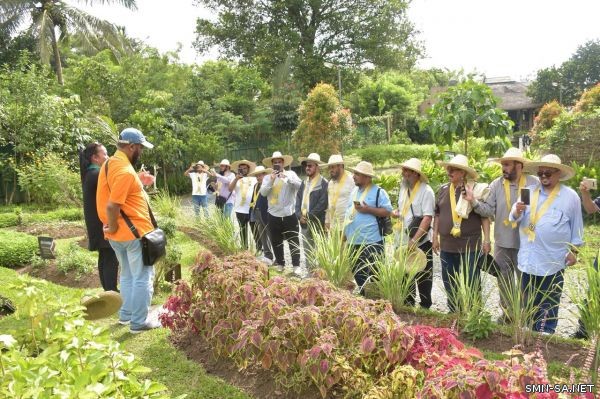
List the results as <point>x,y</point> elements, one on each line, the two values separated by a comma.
<point>256,382</point>
<point>51,273</point>
<point>56,230</point>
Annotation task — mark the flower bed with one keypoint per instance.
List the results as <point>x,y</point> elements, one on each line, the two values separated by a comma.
<point>309,332</point>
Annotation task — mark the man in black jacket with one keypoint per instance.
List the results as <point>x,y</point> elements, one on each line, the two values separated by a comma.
<point>92,158</point>
<point>311,202</point>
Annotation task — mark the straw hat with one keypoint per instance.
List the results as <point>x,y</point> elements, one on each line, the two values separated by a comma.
<point>460,162</point>
<point>260,170</point>
<point>414,164</point>
<point>413,260</point>
<point>287,159</point>
<point>236,164</point>
<point>202,165</point>
<point>225,162</point>
<point>101,305</point>
<point>512,154</point>
<point>314,157</point>
<point>551,161</point>
<point>335,159</point>
<point>364,168</point>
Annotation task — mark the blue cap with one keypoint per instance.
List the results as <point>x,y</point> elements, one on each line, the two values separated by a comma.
<point>134,136</point>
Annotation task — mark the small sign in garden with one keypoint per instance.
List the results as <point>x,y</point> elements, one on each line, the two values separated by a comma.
<point>47,246</point>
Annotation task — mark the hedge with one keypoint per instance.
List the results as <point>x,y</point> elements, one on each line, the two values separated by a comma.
<point>395,153</point>
<point>16,249</point>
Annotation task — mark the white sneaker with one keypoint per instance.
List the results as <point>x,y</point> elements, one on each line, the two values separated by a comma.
<point>299,271</point>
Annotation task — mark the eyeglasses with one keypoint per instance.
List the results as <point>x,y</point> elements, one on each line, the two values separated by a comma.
<point>545,173</point>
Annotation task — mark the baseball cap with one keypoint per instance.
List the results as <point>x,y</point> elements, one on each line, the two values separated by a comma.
<point>134,136</point>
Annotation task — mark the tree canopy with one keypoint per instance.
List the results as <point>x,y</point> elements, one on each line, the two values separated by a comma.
<point>349,34</point>
<point>567,82</point>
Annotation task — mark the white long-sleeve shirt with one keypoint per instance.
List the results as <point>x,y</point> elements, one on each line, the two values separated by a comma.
<point>244,188</point>
<point>281,193</point>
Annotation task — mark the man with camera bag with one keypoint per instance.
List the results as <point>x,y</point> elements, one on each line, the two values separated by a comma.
<point>225,197</point>
<point>416,206</point>
<point>243,187</point>
<point>120,190</point>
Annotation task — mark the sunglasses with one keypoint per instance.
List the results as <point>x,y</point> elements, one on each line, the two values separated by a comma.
<point>545,173</point>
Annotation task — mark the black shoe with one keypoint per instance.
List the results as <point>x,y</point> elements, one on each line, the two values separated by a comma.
<point>579,334</point>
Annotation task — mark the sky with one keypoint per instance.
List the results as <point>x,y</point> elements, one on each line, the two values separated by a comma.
<point>497,38</point>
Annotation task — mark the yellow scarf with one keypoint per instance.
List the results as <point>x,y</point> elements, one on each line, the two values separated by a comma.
<point>307,190</point>
<point>509,204</point>
<point>277,186</point>
<point>361,199</point>
<point>336,194</point>
<point>406,205</point>
<point>244,190</point>
<point>456,219</point>
<point>534,215</point>
<point>255,196</point>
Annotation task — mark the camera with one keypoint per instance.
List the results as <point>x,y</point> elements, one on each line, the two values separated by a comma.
<point>239,171</point>
<point>277,168</point>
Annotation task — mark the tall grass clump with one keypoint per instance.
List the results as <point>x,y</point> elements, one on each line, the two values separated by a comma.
<point>393,277</point>
<point>166,205</point>
<point>332,255</point>
<point>220,230</point>
<point>470,302</point>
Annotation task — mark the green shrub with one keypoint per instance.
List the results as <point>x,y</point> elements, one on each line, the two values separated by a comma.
<point>64,214</point>
<point>76,259</point>
<point>49,180</point>
<point>397,153</point>
<point>8,219</point>
<point>16,249</point>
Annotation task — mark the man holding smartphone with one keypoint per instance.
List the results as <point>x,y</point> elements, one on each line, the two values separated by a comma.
<point>550,230</point>
<point>280,188</point>
<point>504,192</point>
<point>243,187</point>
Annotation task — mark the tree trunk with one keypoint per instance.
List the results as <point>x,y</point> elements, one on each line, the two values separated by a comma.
<point>466,137</point>
<point>57,63</point>
<point>165,177</point>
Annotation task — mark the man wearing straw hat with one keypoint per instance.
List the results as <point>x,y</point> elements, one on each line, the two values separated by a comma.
<point>416,206</point>
<point>457,230</point>
<point>197,173</point>
<point>243,187</point>
<point>280,188</point>
<point>504,192</point>
<point>225,197</point>
<point>259,216</point>
<point>339,188</point>
<point>362,229</point>
<point>311,200</point>
<point>551,229</point>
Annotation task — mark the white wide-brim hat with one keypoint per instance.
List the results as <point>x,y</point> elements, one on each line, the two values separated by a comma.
<point>101,305</point>
<point>236,164</point>
<point>551,161</point>
<point>512,154</point>
<point>287,159</point>
<point>335,159</point>
<point>202,164</point>
<point>364,168</point>
<point>314,157</point>
<point>225,162</point>
<point>460,162</point>
<point>414,164</point>
<point>260,170</point>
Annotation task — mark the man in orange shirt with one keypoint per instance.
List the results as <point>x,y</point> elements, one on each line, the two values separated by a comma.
<point>120,191</point>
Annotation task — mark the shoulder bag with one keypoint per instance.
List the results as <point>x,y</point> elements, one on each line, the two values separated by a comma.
<point>384,223</point>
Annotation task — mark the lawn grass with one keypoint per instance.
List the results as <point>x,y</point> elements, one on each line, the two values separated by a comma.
<point>152,349</point>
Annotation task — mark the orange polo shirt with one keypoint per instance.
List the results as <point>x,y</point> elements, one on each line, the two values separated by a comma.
<point>123,187</point>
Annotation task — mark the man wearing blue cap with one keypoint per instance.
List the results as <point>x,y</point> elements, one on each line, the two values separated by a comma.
<point>120,191</point>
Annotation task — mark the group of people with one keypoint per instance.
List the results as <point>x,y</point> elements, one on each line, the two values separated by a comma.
<point>535,238</point>
<point>538,220</point>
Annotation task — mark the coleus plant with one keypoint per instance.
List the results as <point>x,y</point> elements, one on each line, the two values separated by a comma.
<point>311,332</point>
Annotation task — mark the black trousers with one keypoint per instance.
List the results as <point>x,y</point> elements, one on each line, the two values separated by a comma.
<point>365,265</point>
<point>108,268</point>
<point>284,228</point>
<point>243,219</point>
<point>424,280</point>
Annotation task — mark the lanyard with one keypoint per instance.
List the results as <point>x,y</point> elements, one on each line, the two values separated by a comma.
<point>336,193</point>
<point>408,203</point>
<point>277,186</point>
<point>255,196</point>
<point>506,184</point>
<point>244,189</point>
<point>456,219</point>
<point>307,191</point>
<point>535,216</point>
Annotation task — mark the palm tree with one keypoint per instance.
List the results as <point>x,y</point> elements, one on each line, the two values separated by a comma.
<point>49,17</point>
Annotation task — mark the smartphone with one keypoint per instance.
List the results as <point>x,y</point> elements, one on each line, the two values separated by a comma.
<point>525,196</point>
<point>356,203</point>
<point>591,184</point>
<point>277,168</point>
